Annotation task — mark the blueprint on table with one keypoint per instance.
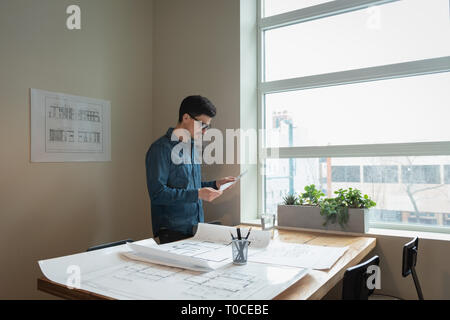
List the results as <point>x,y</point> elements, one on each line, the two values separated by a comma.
<point>208,250</point>
<point>107,272</point>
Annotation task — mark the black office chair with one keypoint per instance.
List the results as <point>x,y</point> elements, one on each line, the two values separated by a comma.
<point>354,286</point>
<point>409,263</point>
<point>107,245</point>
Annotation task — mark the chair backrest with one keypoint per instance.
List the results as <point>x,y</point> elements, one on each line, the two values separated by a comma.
<point>409,263</point>
<point>354,286</point>
<point>409,256</point>
<point>111,244</point>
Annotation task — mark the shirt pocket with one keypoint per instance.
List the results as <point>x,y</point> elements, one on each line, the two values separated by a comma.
<point>179,176</point>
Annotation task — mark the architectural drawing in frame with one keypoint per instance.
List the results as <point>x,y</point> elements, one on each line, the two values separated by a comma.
<point>67,128</point>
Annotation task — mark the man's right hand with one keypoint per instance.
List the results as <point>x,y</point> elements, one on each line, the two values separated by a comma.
<point>208,194</point>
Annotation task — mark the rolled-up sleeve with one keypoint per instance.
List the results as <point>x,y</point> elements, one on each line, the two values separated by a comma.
<point>209,184</point>
<point>157,164</point>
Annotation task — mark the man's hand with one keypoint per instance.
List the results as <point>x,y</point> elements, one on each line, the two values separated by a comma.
<point>208,194</point>
<point>225,180</point>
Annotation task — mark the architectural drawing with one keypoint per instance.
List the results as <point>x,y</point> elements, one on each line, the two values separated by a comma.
<point>208,250</point>
<point>223,285</point>
<point>198,249</point>
<point>139,280</point>
<point>69,128</point>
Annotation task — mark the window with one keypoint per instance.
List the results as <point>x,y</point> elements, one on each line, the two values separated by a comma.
<point>401,110</point>
<point>381,174</point>
<point>423,218</point>
<point>447,174</point>
<point>395,32</point>
<point>421,174</point>
<point>417,202</point>
<point>355,94</point>
<point>345,174</point>
<point>447,219</point>
<point>386,216</point>
<point>274,7</point>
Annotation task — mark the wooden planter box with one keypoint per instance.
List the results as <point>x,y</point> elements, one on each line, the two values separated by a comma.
<point>308,217</point>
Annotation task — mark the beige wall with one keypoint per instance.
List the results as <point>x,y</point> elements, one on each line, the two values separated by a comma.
<point>432,268</point>
<point>50,210</point>
<point>196,51</point>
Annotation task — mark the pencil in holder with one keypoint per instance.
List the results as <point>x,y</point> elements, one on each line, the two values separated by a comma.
<point>240,251</point>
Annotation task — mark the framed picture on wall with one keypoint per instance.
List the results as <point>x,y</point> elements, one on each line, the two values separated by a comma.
<point>68,128</point>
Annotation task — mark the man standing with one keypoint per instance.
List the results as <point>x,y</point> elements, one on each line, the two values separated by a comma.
<point>176,190</point>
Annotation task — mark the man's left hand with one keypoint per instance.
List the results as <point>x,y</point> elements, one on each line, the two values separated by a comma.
<point>225,180</point>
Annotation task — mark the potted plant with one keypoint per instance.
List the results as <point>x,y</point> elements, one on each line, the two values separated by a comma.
<point>311,196</point>
<point>290,200</point>
<point>302,211</point>
<point>347,211</point>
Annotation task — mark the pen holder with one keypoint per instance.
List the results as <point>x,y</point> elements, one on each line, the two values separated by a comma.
<point>240,251</point>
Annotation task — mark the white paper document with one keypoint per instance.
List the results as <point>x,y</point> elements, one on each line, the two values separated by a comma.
<point>221,234</point>
<point>158,255</point>
<point>229,184</point>
<point>298,255</point>
<point>208,250</point>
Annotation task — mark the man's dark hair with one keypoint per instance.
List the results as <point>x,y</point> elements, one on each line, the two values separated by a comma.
<point>196,106</point>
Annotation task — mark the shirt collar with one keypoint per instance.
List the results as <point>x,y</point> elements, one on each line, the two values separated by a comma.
<point>173,138</point>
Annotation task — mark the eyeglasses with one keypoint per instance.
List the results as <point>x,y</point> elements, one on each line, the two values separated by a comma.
<point>205,126</point>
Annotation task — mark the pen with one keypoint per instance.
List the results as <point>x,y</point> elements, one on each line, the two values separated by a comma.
<point>232,237</point>
<point>248,233</point>
<point>239,233</point>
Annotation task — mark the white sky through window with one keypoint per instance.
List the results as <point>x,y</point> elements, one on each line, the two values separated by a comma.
<point>396,32</point>
<point>413,109</point>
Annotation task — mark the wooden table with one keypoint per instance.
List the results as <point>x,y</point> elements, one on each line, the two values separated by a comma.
<point>313,286</point>
<point>317,283</point>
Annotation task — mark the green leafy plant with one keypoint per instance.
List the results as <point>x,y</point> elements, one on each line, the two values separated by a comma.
<point>290,200</point>
<point>355,199</point>
<point>336,209</point>
<point>311,196</point>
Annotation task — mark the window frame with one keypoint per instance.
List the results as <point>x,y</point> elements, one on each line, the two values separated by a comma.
<point>384,72</point>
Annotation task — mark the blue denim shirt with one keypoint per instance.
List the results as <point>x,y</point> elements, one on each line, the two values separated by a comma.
<point>173,188</point>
